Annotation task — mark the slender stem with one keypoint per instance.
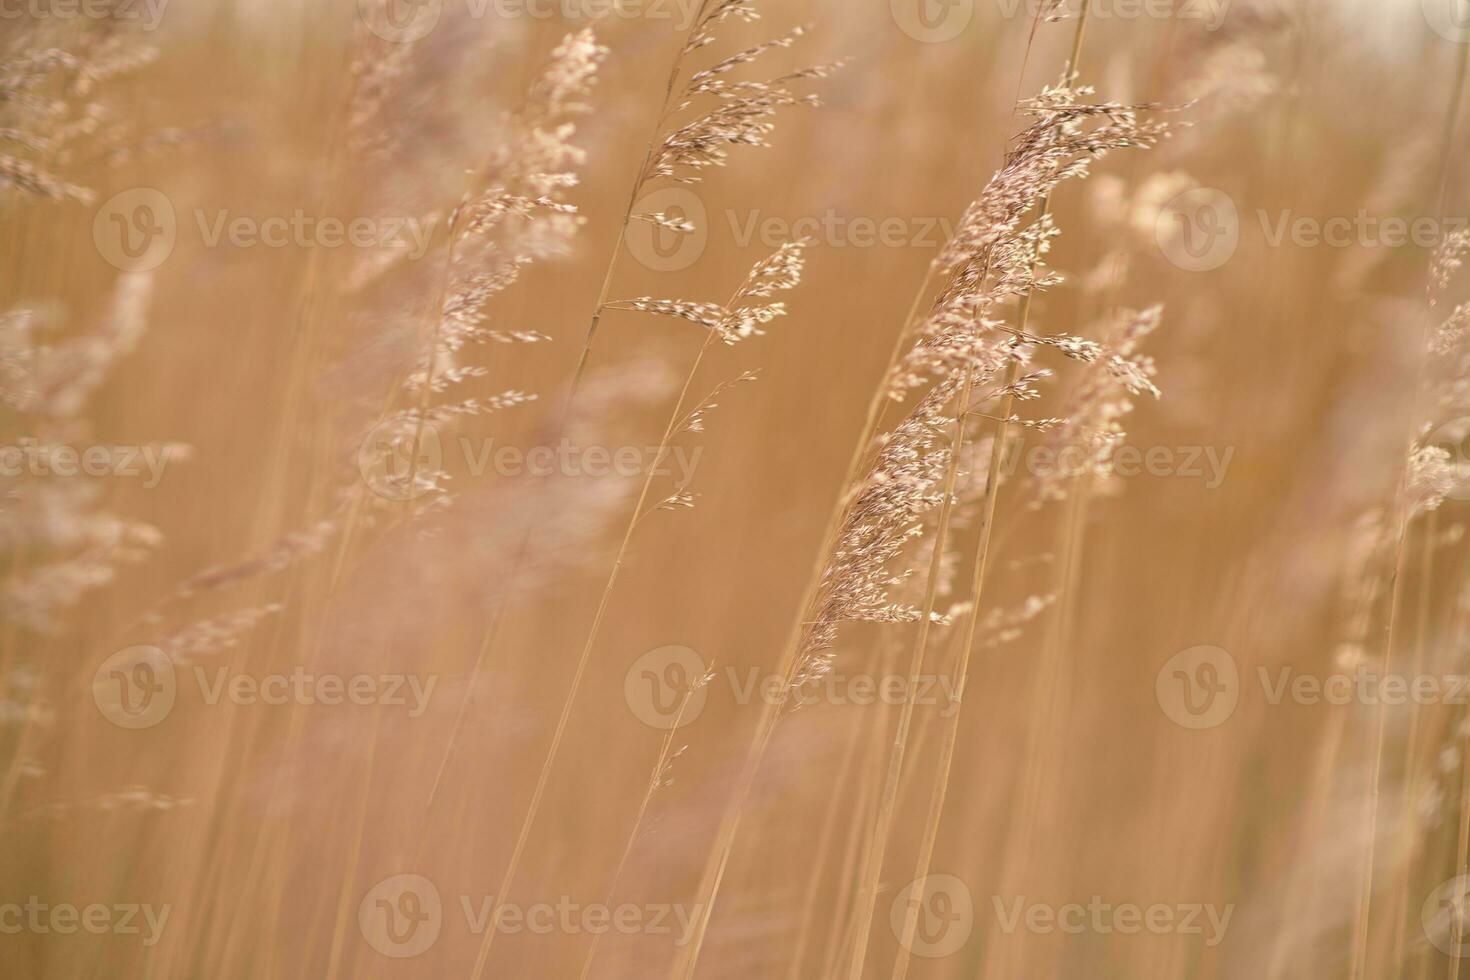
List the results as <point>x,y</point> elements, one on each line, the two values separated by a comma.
<point>655,780</point>
<point>492,631</point>
<point>1408,837</point>
<point>1462,854</point>
<point>613,261</point>
<point>981,567</point>
<point>724,842</point>
<point>583,660</point>
<point>825,838</point>
<point>1365,882</point>
<point>1358,962</point>
<point>868,887</point>
<point>962,672</point>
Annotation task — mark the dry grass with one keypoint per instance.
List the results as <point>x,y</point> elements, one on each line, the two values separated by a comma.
<point>719,489</point>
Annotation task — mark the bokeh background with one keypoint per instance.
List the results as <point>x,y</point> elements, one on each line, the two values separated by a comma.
<point>1297,366</point>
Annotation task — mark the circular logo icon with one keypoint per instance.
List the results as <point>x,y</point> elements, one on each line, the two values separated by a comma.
<point>136,230</point>
<point>401,21</point>
<point>1454,437</point>
<point>1198,230</point>
<point>1450,19</point>
<point>661,248</point>
<point>1199,687</point>
<point>659,682</point>
<point>936,913</point>
<point>135,688</point>
<point>932,21</point>
<point>1446,917</point>
<point>401,459</point>
<point>401,915</point>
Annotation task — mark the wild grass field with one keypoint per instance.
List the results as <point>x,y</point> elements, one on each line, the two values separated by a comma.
<point>734,488</point>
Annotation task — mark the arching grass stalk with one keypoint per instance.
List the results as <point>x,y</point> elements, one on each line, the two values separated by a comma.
<point>781,271</point>
<point>981,566</point>
<point>883,826</point>
<point>1358,962</point>
<point>656,779</point>
<point>600,305</point>
<point>1407,822</point>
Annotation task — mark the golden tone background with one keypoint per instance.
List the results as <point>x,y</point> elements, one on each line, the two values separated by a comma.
<point>372,641</point>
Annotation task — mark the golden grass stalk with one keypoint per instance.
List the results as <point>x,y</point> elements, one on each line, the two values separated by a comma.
<point>1407,821</point>
<point>656,779</point>
<point>868,884</point>
<point>1358,963</point>
<point>781,271</point>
